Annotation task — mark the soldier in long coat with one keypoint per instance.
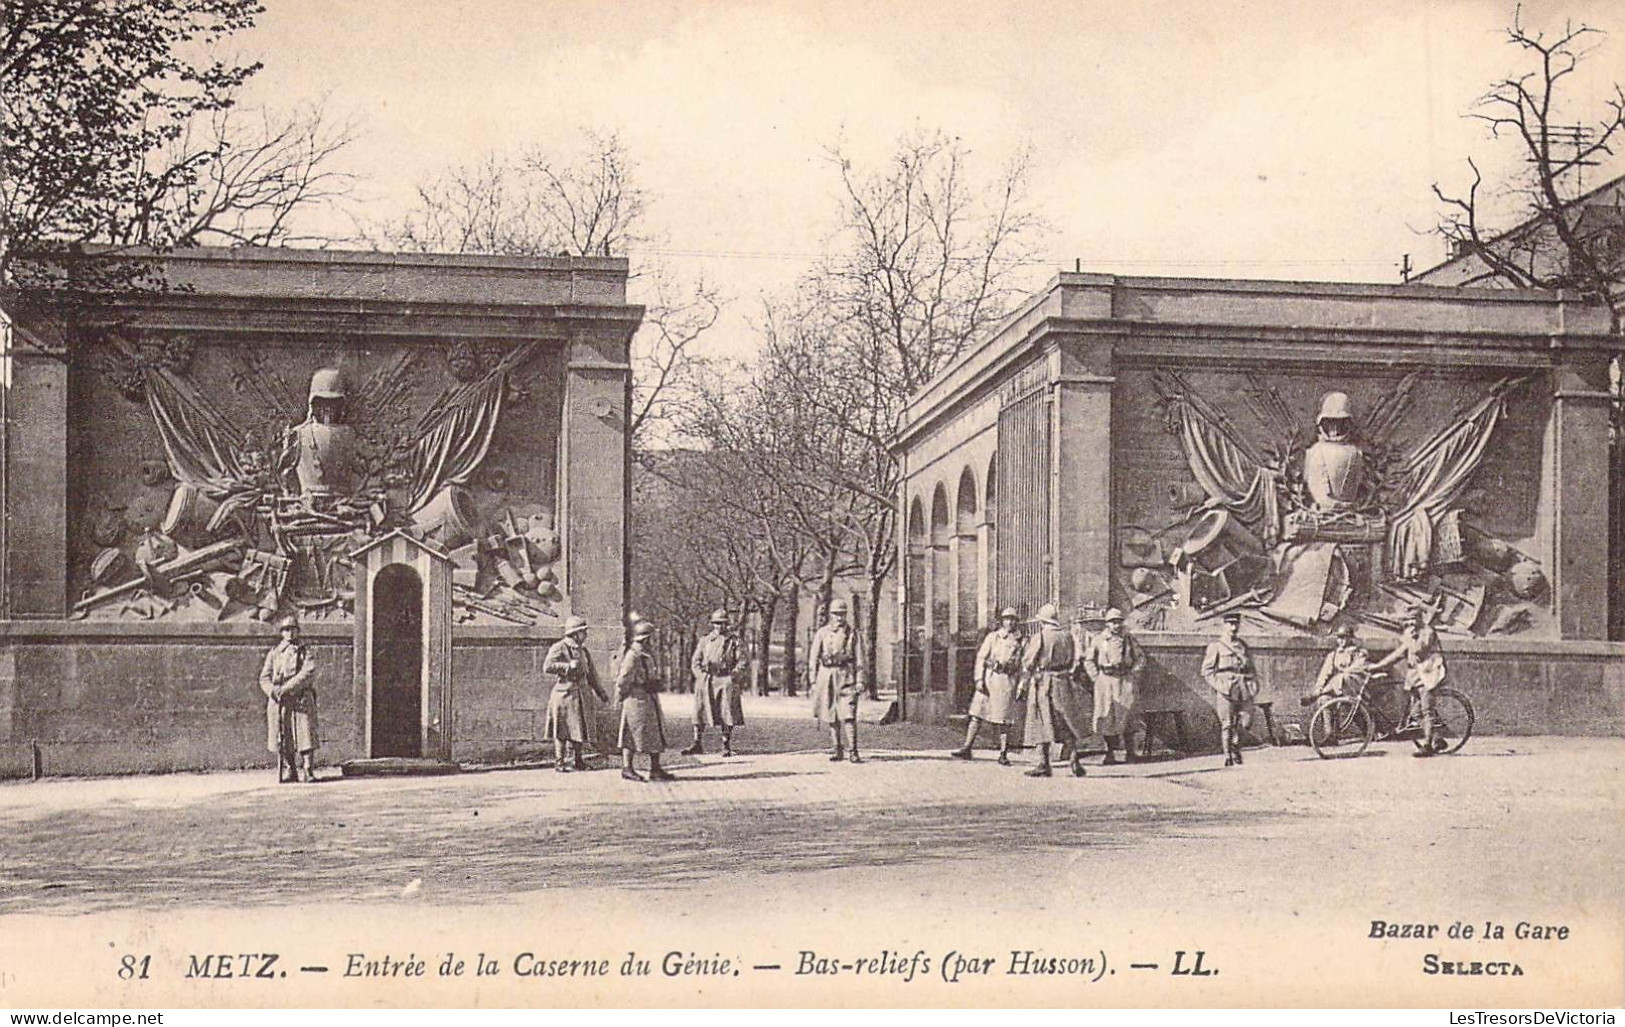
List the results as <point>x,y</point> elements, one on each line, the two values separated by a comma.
<point>292,728</point>
<point>569,723</point>
<point>1054,712</point>
<point>998,665</point>
<point>833,660</point>
<point>716,692</point>
<point>1228,669</point>
<point>1114,661</point>
<point>638,687</point>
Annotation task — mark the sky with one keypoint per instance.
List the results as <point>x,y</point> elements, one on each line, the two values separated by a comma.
<point>1287,140</point>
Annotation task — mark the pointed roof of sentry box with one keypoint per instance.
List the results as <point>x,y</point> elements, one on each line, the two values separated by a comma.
<point>424,544</point>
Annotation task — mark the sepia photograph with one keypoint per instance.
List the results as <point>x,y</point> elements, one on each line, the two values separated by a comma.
<point>514,504</point>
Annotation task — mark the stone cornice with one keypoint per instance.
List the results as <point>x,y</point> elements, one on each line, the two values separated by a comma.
<point>1278,323</point>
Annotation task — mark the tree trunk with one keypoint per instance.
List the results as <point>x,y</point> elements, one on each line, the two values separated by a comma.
<point>685,658</point>
<point>871,640</point>
<point>792,625</point>
<point>764,644</point>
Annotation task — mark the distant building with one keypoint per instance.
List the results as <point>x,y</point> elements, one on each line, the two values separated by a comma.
<point>1535,246</point>
<point>1308,454</point>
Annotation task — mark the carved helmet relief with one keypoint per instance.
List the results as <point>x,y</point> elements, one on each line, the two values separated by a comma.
<point>1340,522</point>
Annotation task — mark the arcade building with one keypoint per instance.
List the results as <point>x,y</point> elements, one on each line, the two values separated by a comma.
<point>423,456</point>
<point>1308,455</point>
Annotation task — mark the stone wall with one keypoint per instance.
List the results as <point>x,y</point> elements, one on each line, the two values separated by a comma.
<point>127,699</point>
<point>1565,688</point>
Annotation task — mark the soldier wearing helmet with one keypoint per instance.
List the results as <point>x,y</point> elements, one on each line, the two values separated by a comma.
<point>1114,661</point>
<point>638,686</point>
<point>998,665</point>
<point>1054,709</point>
<point>833,662</point>
<point>1334,466</point>
<point>716,690</point>
<point>323,447</point>
<point>1344,665</point>
<point>292,729</point>
<point>569,722</point>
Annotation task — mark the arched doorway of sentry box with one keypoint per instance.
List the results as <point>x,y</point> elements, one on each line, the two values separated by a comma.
<point>402,656</point>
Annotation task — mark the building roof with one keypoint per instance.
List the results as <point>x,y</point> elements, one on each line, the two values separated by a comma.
<point>1170,319</point>
<point>1615,185</point>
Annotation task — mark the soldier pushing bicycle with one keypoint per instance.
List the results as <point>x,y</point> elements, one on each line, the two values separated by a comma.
<point>1437,718</point>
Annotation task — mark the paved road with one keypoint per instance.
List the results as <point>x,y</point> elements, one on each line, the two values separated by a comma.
<point>911,842</point>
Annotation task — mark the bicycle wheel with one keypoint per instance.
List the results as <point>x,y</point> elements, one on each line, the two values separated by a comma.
<point>1341,729</point>
<point>1452,719</point>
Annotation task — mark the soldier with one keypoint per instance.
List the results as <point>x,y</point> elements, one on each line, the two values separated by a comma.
<point>833,660</point>
<point>716,693</point>
<point>1346,664</point>
<point>1114,661</point>
<point>568,720</point>
<point>998,664</point>
<point>1053,710</point>
<point>1227,667</point>
<point>638,687</point>
<point>1424,671</point>
<point>292,729</point>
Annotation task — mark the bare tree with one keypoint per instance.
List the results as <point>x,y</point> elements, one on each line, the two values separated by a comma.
<point>664,368</point>
<point>580,199</point>
<point>240,178</point>
<point>928,258</point>
<point>118,128</point>
<point>1565,244</point>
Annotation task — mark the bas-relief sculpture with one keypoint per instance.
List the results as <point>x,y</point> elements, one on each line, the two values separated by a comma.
<point>240,518</point>
<point>1354,520</point>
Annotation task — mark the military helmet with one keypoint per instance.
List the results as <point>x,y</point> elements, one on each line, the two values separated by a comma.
<point>1335,406</point>
<point>327,383</point>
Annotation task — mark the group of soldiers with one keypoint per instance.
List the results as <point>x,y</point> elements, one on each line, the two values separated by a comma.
<point>1071,692</point>
<point>716,663</point>
<point>1043,673</point>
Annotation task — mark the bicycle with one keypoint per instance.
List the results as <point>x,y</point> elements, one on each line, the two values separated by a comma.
<point>1345,726</point>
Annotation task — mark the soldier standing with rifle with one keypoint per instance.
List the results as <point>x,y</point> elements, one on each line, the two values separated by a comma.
<point>716,693</point>
<point>292,731</point>
<point>833,660</point>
